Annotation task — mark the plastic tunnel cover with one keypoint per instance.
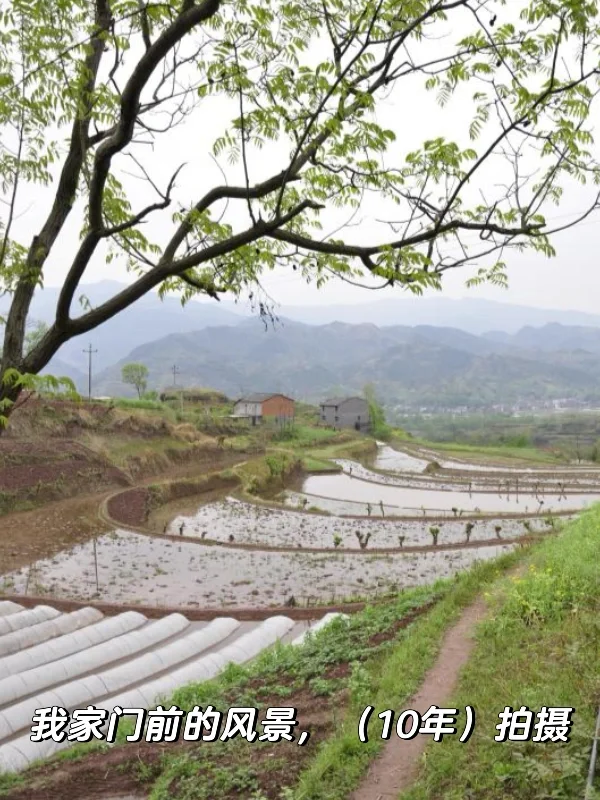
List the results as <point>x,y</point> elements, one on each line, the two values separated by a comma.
<point>20,752</point>
<point>30,616</point>
<point>8,607</point>
<point>42,631</point>
<point>75,642</point>
<point>15,687</point>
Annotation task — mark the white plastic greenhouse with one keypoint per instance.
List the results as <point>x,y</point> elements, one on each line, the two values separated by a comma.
<point>78,659</point>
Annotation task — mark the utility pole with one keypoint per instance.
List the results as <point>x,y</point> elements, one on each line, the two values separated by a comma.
<point>89,352</point>
<point>176,371</point>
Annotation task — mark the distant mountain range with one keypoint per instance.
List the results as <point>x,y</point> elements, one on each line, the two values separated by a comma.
<point>148,319</point>
<point>468,314</point>
<point>412,367</point>
<point>446,352</point>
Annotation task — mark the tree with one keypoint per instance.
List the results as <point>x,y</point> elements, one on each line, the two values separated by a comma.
<point>379,427</point>
<point>84,115</point>
<point>136,375</point>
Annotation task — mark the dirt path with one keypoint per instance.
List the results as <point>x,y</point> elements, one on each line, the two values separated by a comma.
<point>397,766</point>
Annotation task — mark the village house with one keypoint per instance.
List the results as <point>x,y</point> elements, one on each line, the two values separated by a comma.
<point>267,406</point>
<point>346,412</point>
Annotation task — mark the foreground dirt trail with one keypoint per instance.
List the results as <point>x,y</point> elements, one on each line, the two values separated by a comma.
<point>397,766</point>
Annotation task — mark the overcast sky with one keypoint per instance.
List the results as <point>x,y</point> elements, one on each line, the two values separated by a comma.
<point>568,281</point>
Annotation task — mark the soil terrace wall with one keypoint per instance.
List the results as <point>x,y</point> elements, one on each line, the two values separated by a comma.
<point>133,506</point>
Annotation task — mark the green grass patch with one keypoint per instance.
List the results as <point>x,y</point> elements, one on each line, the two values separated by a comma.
<point>355,448</point>
<point>141,404</point>
<point>540,647</point>
<point>484,453</point>
<point>121,451</point>
<point>10,781</point>
<point>306,435</point>
<point>312,464</point>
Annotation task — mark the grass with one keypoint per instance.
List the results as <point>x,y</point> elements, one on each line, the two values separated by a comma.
<point>312,464</point>
<point>540,647</point>
<point>484,452</point>
<point>306,435</point>
<point>353,448</point>
<point>120,450</point>
<point>138,404</point>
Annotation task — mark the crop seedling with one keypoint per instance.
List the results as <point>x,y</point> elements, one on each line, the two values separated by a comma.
<point>469,530</point>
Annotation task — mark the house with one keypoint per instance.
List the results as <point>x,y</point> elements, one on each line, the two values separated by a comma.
<point>346,412</point>
<point>267,406</point>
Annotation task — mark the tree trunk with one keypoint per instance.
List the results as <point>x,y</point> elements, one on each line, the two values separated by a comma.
<point>13,358</point>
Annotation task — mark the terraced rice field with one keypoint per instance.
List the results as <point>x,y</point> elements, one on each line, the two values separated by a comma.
<point>136,568</point>
<point>81,658</point>
<point>370,532</point>
<point>362,532</point>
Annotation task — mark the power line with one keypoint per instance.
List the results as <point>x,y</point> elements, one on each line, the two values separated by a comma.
<point>176,371</point>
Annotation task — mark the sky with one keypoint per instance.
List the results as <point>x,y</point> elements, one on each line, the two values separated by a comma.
<point>567,282</point>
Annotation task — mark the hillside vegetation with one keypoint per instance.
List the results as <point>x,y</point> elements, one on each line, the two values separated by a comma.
<point>411,367</point>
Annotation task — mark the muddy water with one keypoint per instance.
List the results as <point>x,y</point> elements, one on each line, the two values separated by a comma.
<point>397,461</point>
<point>257,525</point>
<point>491,482</point>
<point>346,487</point>
<point>134,568</point>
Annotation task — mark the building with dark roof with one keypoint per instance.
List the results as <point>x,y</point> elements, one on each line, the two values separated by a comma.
<point>346,412</point>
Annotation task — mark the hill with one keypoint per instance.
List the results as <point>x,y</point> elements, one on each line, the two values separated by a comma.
<point>447,352</point>
<point>148,319</point>
<point>470,314</point>
<point>411,367</point>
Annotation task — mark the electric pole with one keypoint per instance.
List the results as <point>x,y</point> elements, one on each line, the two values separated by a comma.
<point>89,352</point>
<point>176,371</point>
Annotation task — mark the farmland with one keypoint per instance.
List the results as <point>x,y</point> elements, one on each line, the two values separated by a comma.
<point>258,527</point>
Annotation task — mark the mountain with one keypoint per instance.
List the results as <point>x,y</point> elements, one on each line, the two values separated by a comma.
<point>554,337</point>
<point>411,367</point>
<point>469,314</point>
<point>417,348</point>
<point>148,319</point>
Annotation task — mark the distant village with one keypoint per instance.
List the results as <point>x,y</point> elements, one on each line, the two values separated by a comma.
<point>525,406</point>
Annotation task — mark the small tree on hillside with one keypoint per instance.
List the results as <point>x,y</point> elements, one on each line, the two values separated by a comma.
<point>136,375</point>
<point>379,427</point>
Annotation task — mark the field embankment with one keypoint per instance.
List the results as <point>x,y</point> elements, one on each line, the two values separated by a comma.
<point>54,450</point>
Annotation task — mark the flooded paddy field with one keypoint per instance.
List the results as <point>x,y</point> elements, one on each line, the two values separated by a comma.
<point>325,542</point>
<point>497,482</point>
<point>414,500</point>
<point>137,568</point>
<point>393,460</point>
<point>270,527</point>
